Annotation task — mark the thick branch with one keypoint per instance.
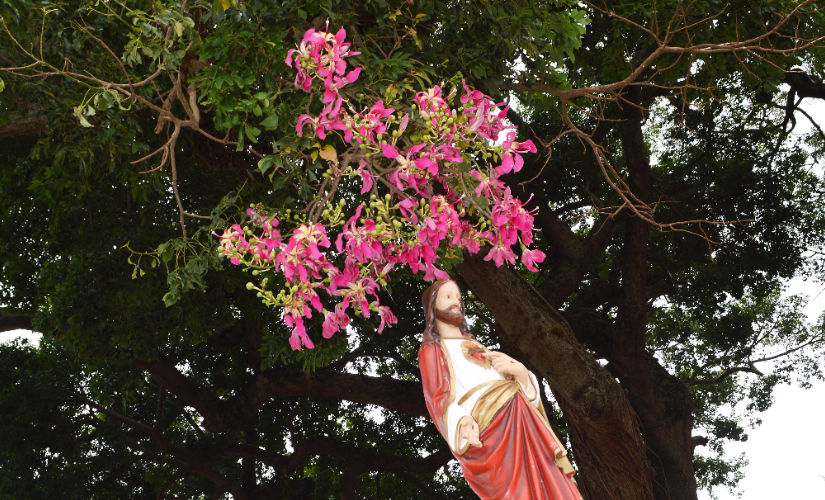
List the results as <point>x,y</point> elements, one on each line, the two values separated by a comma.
<point>235,412</point>
<point>16,322</point>
<point>805,85</point>
<point>593,330</point>
<point>699,441</point>
<point>633,301</point>
<point>21,125</point>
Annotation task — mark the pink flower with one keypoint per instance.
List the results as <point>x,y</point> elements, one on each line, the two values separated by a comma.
<point>531,257</point>
<point>299,335</point>
<point>387,317</point>
<point>509,215</point>
<point>301,255</point>
<point>484,117</point>
<point>433,273</point>
<point>362,244</point>
<point>366,177</point>
<point>315,234</point>
<point>389,151</point>
<point>431,101</point>
<point>471,95</point>
<point>499,254</point>
<point>403,125</point>
<point>407,207</point>
<point>446,152</point>
<point>425,163</point>
<point>321,124</point>
<point>511,160</point>
<point>334,321</point>
<point>371,123</point>
<point>472,245</point>
<point>355,293</point>
<point>432,231</point>
<point>486,186</point>
<point>322,54</point>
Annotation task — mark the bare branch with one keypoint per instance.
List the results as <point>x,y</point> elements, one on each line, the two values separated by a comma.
<point>725,374</point>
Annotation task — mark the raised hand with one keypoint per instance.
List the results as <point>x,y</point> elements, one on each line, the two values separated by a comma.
<point>509,367</point>
<point>506,365</point>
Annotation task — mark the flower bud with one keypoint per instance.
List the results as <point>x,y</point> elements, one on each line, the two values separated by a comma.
<point>250,286</point>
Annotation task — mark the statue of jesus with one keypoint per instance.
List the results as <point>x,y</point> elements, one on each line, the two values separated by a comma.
<point>487,406</point>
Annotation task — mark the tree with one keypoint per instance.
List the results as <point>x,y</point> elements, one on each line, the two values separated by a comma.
<point>665,241</point>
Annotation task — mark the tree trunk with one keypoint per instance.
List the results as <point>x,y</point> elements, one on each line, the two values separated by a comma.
<point>661,400</point>
<point>604,430</point>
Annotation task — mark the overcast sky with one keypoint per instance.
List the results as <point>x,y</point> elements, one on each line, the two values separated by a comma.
<point>786,453</point>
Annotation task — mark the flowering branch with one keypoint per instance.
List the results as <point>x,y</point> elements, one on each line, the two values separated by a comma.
<point>438,162</point>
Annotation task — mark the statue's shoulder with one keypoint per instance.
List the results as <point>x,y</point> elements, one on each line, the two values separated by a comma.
<point>428,349</point>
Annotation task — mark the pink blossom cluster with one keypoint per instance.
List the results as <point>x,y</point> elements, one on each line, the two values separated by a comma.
<point>322,54</point>
<point>417,222</point>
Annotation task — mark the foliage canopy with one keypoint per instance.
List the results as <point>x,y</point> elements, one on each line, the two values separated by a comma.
<point>668,192</point>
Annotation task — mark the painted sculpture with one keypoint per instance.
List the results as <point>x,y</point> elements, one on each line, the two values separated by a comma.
<point>487,406</point>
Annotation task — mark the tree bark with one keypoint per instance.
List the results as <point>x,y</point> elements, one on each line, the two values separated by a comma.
<point>604,430</point>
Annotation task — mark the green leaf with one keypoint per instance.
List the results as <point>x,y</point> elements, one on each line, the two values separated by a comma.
<point>271,122</point>
<point>252,133</point>
<point>280,181</point>
<point>264,164</point>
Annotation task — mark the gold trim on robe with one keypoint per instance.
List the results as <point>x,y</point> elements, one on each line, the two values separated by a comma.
<point>496,394</point>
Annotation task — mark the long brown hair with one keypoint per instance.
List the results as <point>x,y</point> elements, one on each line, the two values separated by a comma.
<point>428,299</point>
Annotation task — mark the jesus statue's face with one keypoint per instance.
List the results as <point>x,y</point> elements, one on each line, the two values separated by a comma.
<point>448,304</point>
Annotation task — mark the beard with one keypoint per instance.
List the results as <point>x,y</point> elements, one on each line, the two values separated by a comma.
<point>450,317</point>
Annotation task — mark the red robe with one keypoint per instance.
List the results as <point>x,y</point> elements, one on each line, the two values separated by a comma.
<point>518,456</point>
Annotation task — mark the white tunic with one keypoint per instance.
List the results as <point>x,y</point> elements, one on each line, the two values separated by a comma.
<point>468,375</point>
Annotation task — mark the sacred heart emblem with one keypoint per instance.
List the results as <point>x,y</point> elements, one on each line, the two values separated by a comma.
<point>474,353</point>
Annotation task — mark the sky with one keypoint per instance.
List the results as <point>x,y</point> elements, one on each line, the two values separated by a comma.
<point>785,453</point>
